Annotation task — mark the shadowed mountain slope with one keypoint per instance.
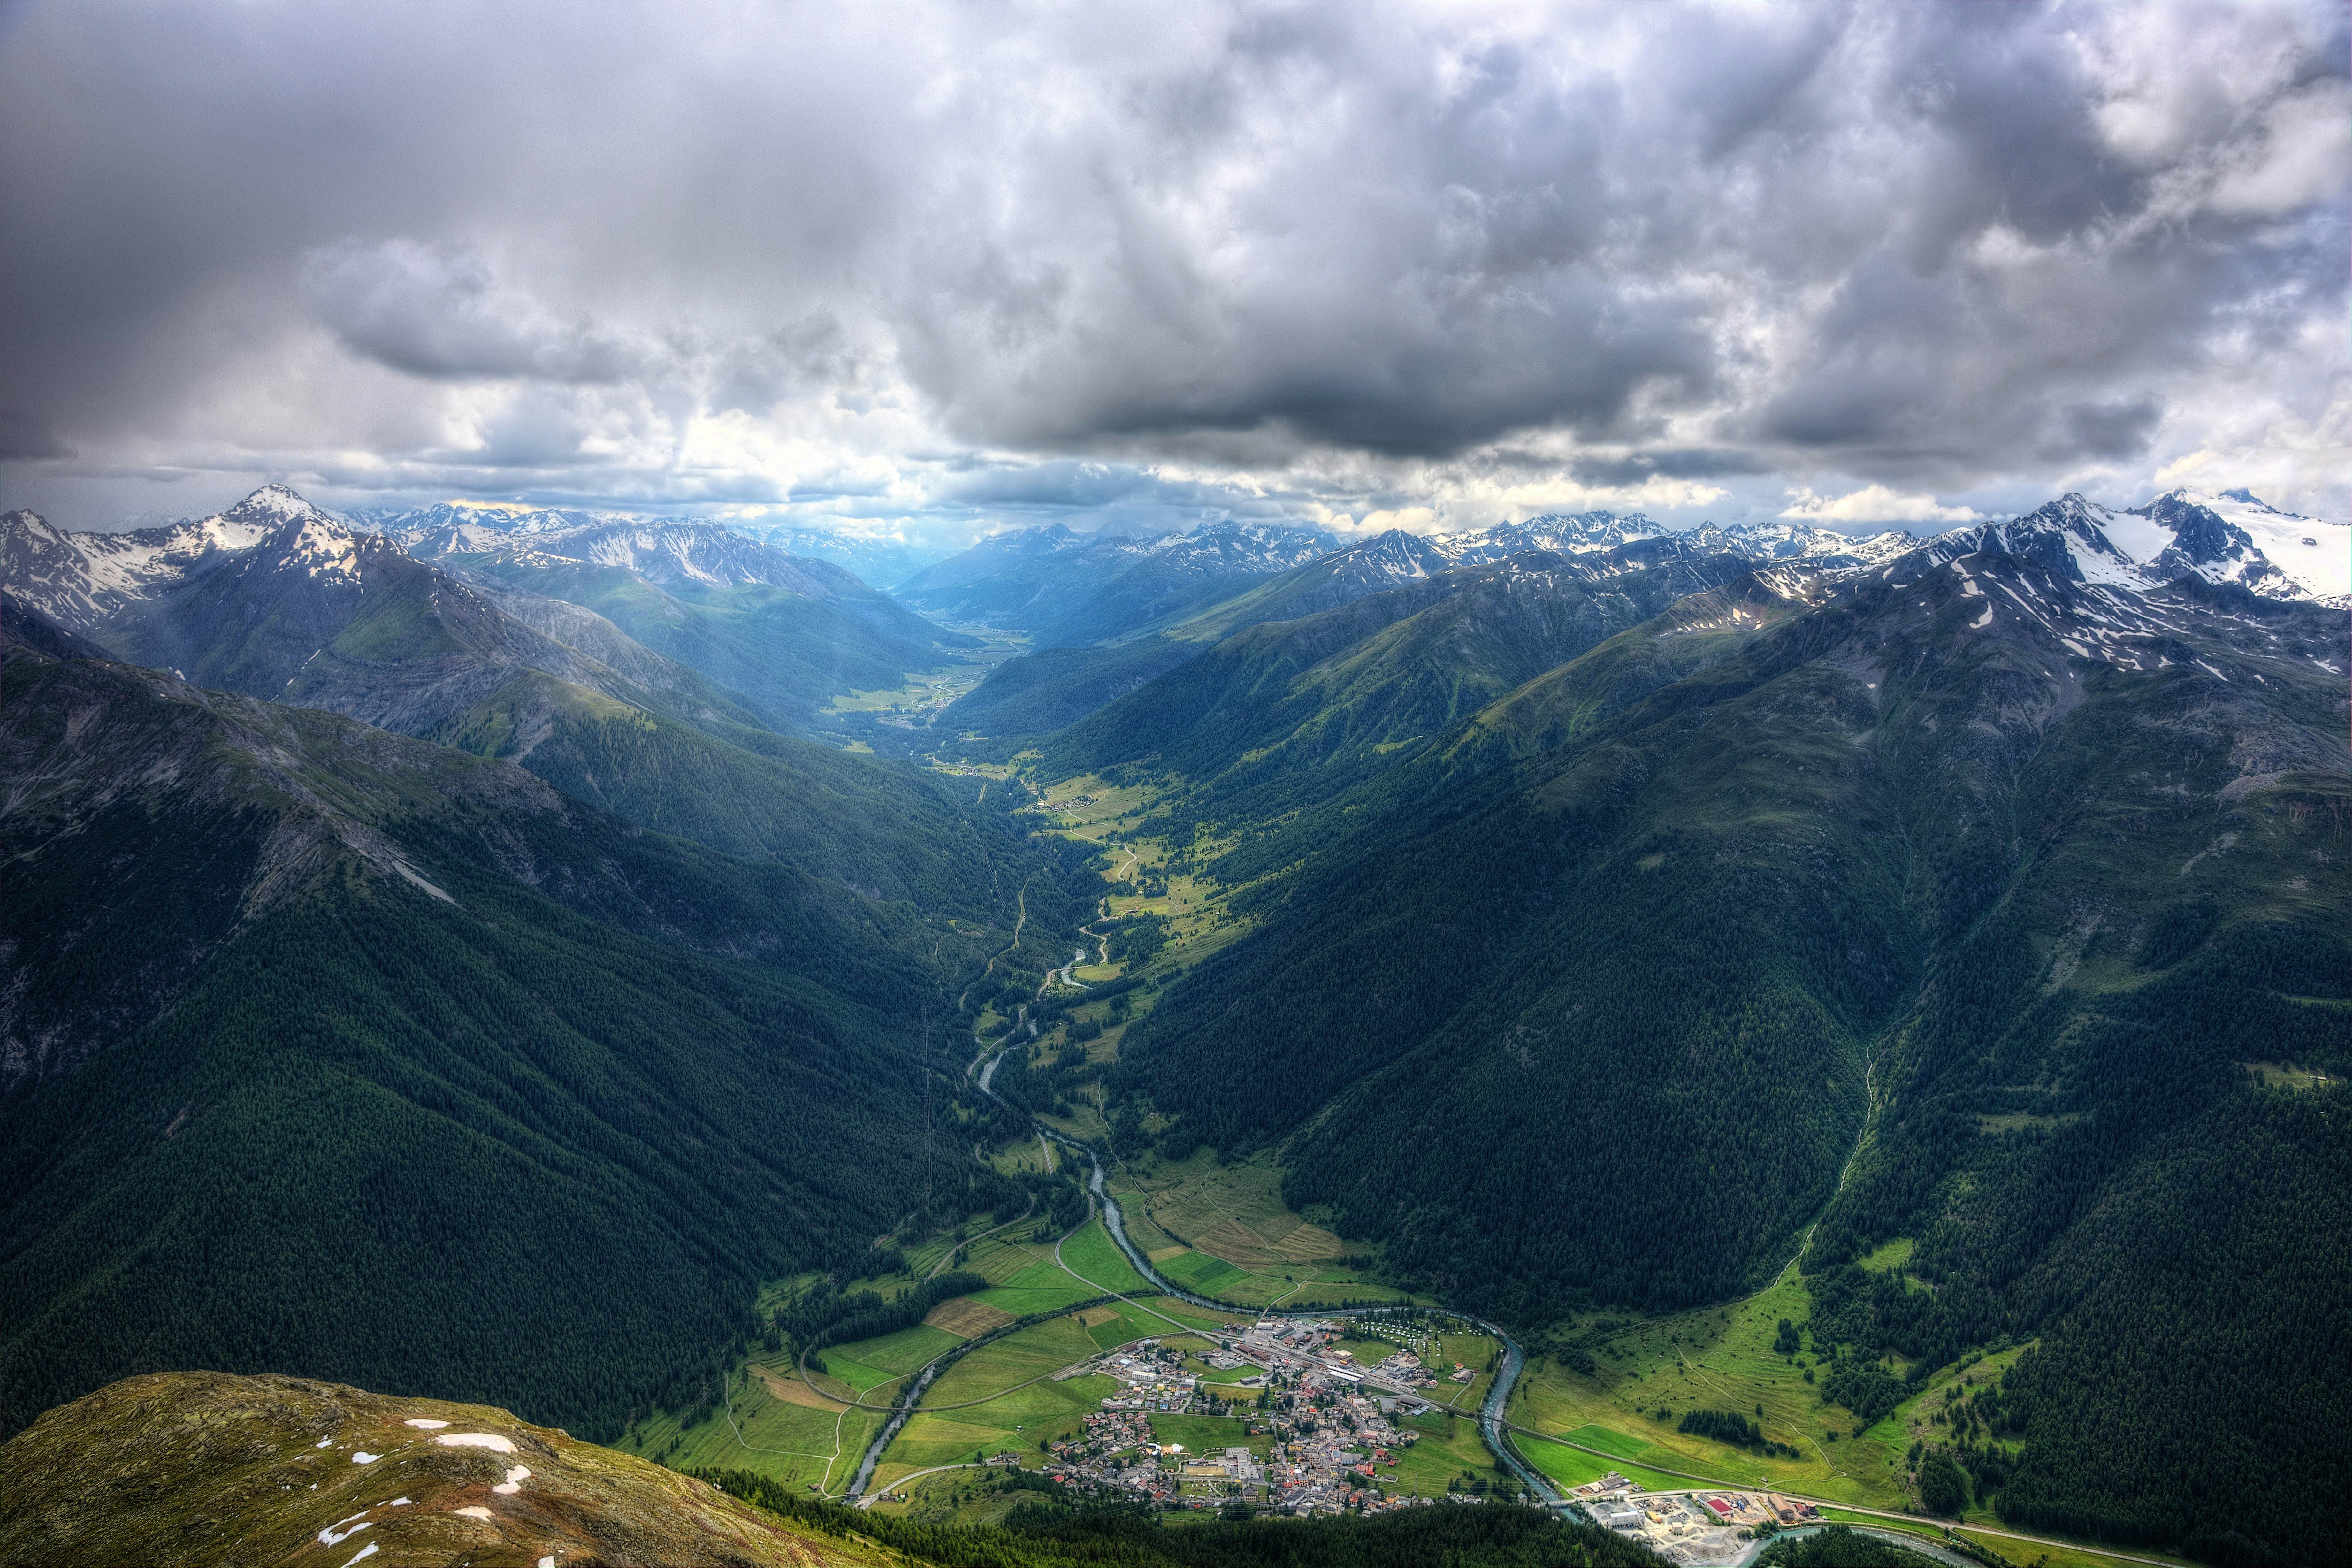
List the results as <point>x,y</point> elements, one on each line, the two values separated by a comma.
<point>2024,875</point>
<point>788,632</point>
<point>330,1047</point>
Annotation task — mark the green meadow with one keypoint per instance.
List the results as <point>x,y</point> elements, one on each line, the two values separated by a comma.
<point>1097,1260</point>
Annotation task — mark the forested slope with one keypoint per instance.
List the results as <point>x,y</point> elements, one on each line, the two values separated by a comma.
<point>324,1048</point>
<point>2029,879</point>
<point>1285,715</point>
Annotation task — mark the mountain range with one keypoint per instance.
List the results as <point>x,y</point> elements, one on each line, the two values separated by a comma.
<point>873,555</point>
<point>435,958</point>
<point>1612,943</point>
<point>1113,648</point>
<point>788,631</point>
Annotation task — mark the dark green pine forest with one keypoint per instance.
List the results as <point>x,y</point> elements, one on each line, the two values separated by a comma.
<point>342,1052</point>
<point>1597,996</point>
<point>1618,930</point>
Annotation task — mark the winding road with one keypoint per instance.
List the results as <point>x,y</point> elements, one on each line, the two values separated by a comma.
<point>1493,1423</point>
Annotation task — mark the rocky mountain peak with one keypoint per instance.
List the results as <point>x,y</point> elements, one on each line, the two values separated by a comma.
<point>272,503</point>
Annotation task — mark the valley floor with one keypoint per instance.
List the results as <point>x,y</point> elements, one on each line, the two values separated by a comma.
<point>1222,1230</point>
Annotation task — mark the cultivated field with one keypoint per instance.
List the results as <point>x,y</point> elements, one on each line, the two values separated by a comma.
<point>1722,1358</point>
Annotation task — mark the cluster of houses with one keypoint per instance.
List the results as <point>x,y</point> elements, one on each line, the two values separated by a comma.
<point>1333,1423</point>
<point>1697,1527</point>
<point>1330,1448</point>
<point>1152,1377</point>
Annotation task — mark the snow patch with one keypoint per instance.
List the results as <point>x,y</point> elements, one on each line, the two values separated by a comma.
<point>362,1456</point>
<point>424,1425</point>
<point>2141,538</point>
<point>477,1511</point>
<point>477,1440</point>
<point>370,1550</point>
<point>329,1536</point>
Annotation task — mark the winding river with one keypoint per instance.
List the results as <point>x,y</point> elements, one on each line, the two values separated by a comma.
<point>1491,1415</point>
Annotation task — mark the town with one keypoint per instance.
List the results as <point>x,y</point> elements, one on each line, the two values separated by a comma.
<point>1329,1422</point>
<point>1331,1429</point>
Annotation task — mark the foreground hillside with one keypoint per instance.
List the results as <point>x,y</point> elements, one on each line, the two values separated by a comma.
<point>201,1468</point>
<point>198,1469</point>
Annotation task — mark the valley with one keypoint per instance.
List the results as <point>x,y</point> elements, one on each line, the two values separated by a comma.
<point>1121,786</point>
<point>1223,1233</point>
<point>1561,962</point>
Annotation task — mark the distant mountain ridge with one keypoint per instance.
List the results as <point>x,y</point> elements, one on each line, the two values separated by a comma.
<point>1027,578</point>
<point>1073,589</point>
<point>279,599</point>
<point>788,631</point>
<point>877,558</point>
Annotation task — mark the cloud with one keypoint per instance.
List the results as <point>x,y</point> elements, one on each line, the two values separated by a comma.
<point>23,437</point>
<point>1323,258</point>
<point>437,310</point>
<point>1873,504</point>
<point>1634,469</point>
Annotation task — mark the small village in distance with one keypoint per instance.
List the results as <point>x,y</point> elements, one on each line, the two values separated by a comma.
<point>1332,1430</point>
<point>1329,1422</point>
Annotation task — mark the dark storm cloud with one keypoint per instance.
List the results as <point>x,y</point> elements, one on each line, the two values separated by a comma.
<point>1631,470</point>
<point>2111,429</point>
<point>25,439</point>
<point>700,248</point>
<point>435,311</point>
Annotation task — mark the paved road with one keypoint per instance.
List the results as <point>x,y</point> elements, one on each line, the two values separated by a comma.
<point>919,1475</point>
<point>1492,1425</point>
<point>1493,1421</point>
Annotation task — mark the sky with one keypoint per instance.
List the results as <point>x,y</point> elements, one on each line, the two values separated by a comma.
<point>941,269</point>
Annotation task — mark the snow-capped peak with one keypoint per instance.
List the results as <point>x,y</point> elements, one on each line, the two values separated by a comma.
<point>319,544</point>
<point>271,504</point>
<point>2179,534</point>
<point>1565,533</point>
<point>28,525</point>
<point>2310,553</point>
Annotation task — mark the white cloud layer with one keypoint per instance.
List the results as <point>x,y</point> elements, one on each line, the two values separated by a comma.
<point>967,265</point>
<point>1873,504</point>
